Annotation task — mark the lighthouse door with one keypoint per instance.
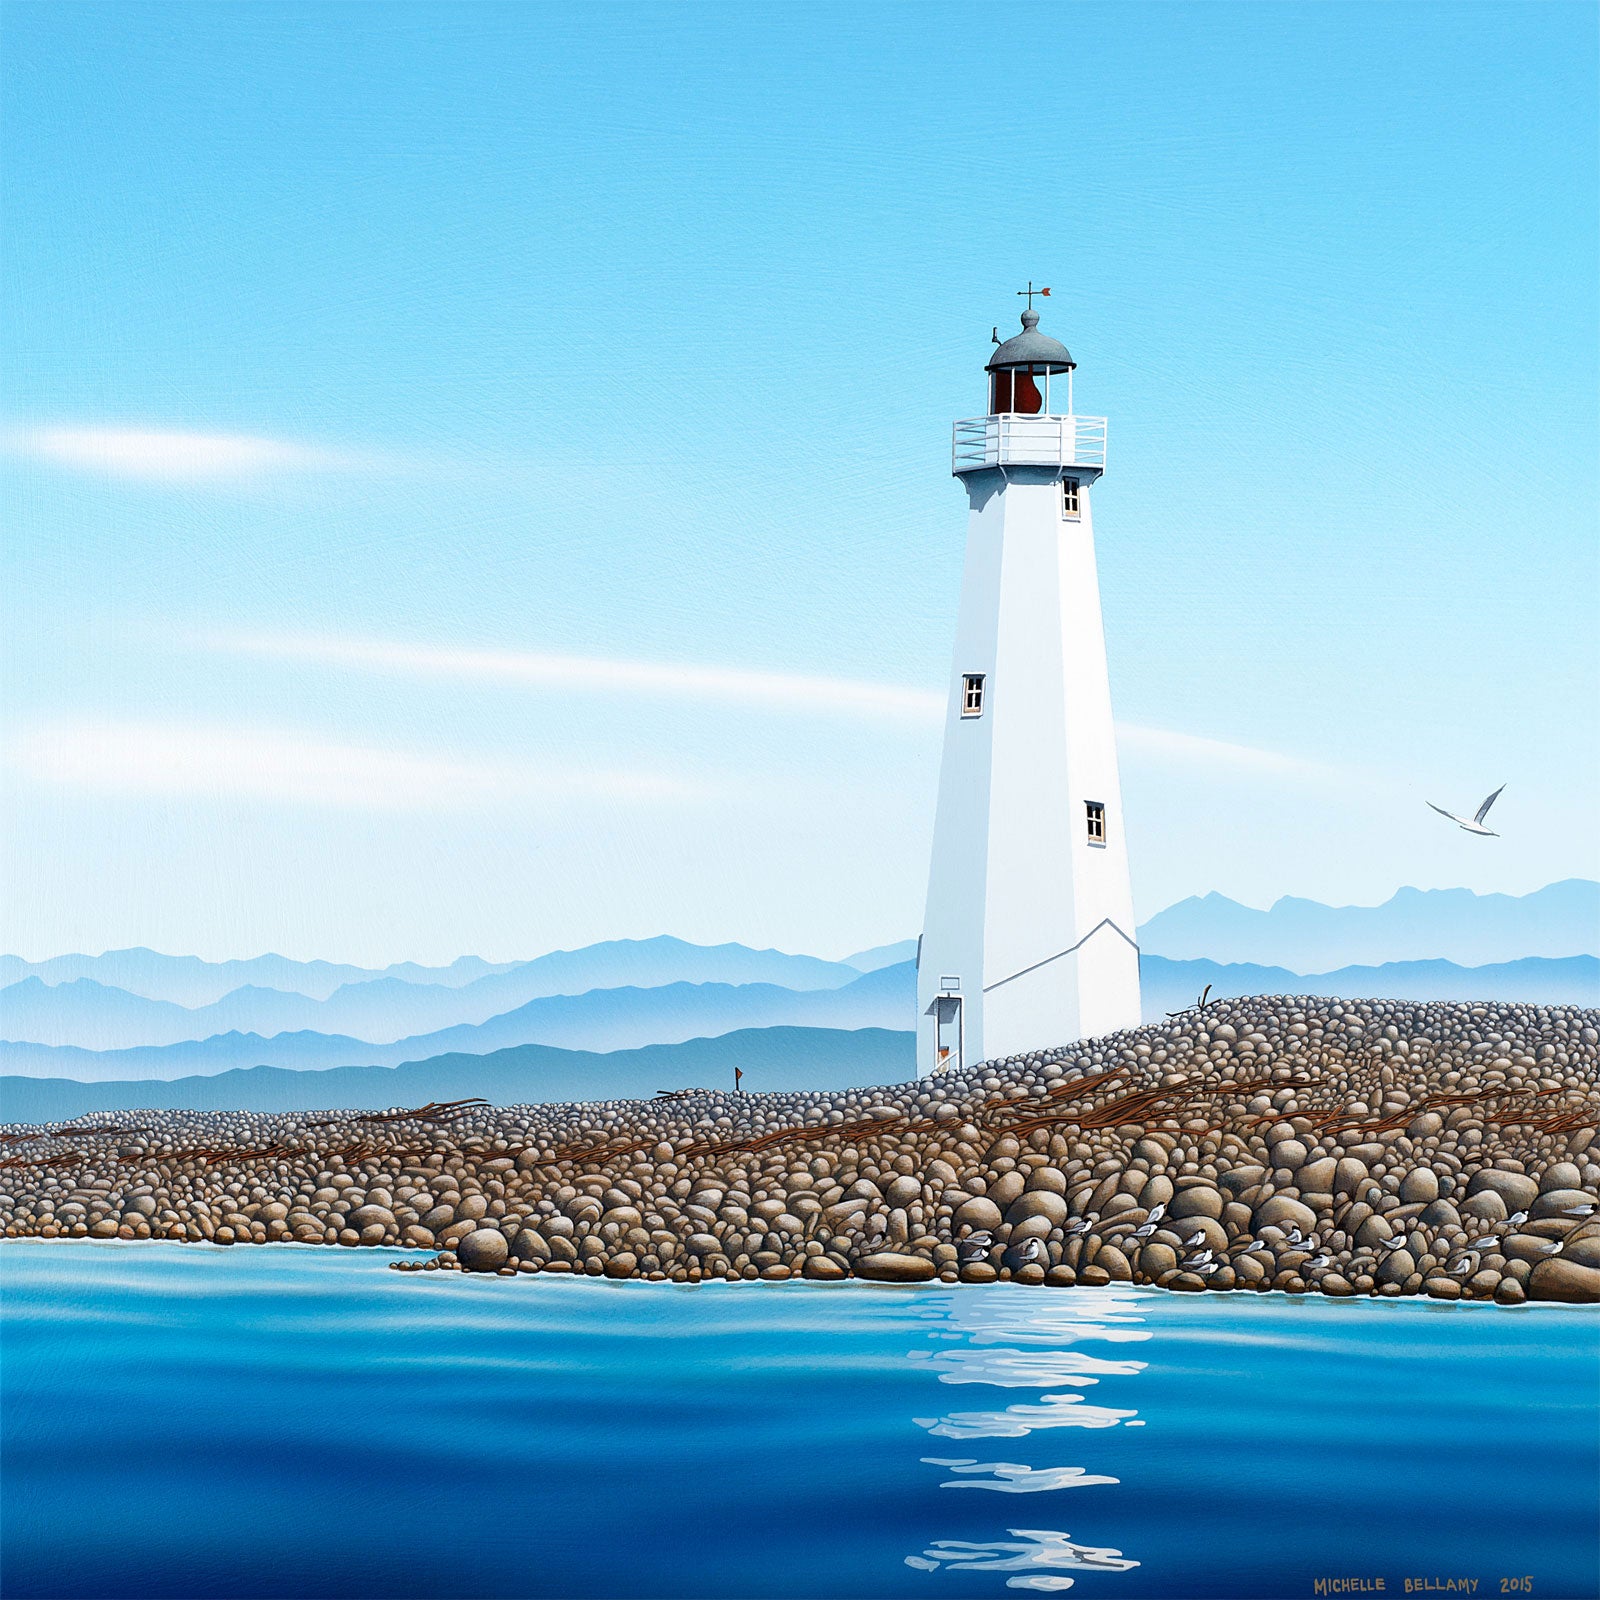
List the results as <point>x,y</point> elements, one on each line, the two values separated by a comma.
<point>949,1033</point>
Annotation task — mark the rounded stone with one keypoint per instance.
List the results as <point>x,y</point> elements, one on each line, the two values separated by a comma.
<point>1560,1175</point>
<point>483,1250</point>
<point>888,1266</point>
<point>1198,1201</point>
<point>978,1213</point>
<point>1316,1177</point>
<point>1038,1203</point>
<point>1557,1279</point>
<point>1516,1190</point>
<point>821,1270</point>
<point>1419,1186</point>
<point>1279,1210</point>
<point>1557,1202</point>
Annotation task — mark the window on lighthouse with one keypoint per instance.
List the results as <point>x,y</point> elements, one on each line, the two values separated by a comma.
<point>1069,497</point>
<point>1096,820</point>
<point>972,695</point>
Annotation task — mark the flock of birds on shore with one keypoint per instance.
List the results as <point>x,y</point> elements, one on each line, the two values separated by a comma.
<point>1201,1259</point>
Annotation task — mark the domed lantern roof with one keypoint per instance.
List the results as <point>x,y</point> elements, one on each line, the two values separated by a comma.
<point>1032,349</point>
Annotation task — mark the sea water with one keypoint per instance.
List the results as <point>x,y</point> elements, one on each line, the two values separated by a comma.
<point>283,1421</point>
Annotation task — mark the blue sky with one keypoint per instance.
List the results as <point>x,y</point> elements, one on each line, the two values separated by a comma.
<point>476,477</point>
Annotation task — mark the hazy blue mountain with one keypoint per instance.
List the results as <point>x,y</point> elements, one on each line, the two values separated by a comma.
<point>772,1059</point>
<point>189,981</point>
<point>1539,980</point>
<point>1474,930</point>
<point>383,1009</point>
<point>602,1019</point>
<point>883,955</point>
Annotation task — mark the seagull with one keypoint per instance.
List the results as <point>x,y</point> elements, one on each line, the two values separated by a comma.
<point>1157,1211</point>
<point>1077,1229</point>
<point>1294,1235</point>
<point>1197,1237</point>
<point>1254,1245</point>
<point>1476,825</point>
<point>1394,1243</point>
<point>1030,1249</point>
<point>1585,1210</point>
<point>1200,1256</point>
<point>1320,1261</point>
<point>1144,1230</point>
<point>1554,1248</point>
<point>1461,1268</point>
<point>1204,1268</point>
<point>1516,1219</point>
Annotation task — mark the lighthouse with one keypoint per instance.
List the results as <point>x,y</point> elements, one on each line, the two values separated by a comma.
<point>1028,940</point>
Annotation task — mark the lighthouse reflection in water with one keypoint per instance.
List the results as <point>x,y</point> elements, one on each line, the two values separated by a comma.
<point>1051,1348</point>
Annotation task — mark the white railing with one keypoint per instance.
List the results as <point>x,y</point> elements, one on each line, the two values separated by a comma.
<point>1016,440</point>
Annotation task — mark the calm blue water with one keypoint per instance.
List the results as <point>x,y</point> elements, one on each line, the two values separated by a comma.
<point>185,1421</point>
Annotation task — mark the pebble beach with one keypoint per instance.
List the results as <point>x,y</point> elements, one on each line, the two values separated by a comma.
<point>1295,1144</point>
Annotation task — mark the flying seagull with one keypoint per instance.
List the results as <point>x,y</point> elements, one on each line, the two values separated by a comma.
<point>1476,825</point>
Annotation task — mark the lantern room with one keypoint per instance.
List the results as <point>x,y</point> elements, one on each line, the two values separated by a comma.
<point>1021,373</point>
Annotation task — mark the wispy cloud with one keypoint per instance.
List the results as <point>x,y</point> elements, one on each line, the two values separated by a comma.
<point>595,674</point>
<point>1193,750</point>
<point>167,455</point>
<point>210,761</point>
<point>775,691</point>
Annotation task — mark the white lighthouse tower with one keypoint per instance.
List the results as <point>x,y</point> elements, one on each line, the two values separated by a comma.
<point>1028,940</point>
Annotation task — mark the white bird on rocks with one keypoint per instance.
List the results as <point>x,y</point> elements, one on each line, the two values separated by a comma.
<point>1461,1268</point>
<point>1476,825</point>
<point>1554,1248</point>
<point>1255,1245</point>
<point>1197,1237</point>
<point>1205,1268</point>
<point>1030,1250</point>
<point>1392,1243</point>
<point>1585,1210</point>
<point>1144,1230</point>
<point>1516,1219</point>
<point>1299,1240</point>
<point>1157,1211</point>
<point>1321,1260</point>
<point>1080,1226</point>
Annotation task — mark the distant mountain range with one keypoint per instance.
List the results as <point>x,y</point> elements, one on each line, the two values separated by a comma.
<point>600,1020</point>
<point>1572,980</point>
<point>94,1015</point>
<point>772,1059</point>
<point>127,1015</point>
<point>1473,930</point>
<point>189,981</point>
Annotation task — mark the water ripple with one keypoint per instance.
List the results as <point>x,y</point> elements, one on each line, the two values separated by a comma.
<point>1042,1549</point>
<point>1010,1477</point>
<point>1026,1369</point>
<point>1054,1411</point>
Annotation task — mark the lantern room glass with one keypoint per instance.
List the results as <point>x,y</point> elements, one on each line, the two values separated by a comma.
<point>1025,391</point>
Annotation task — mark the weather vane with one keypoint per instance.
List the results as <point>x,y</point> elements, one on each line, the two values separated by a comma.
<point>1030,291</point>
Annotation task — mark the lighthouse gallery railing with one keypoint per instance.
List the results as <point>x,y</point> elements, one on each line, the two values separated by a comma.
<point>1016,440</point>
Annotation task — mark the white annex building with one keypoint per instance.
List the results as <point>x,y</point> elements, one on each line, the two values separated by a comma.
<point>1028,940</point>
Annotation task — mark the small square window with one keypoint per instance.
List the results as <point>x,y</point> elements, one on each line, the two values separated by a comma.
<point>972,694</point>
<point>1069,497</point>
<point>1096,817</point>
